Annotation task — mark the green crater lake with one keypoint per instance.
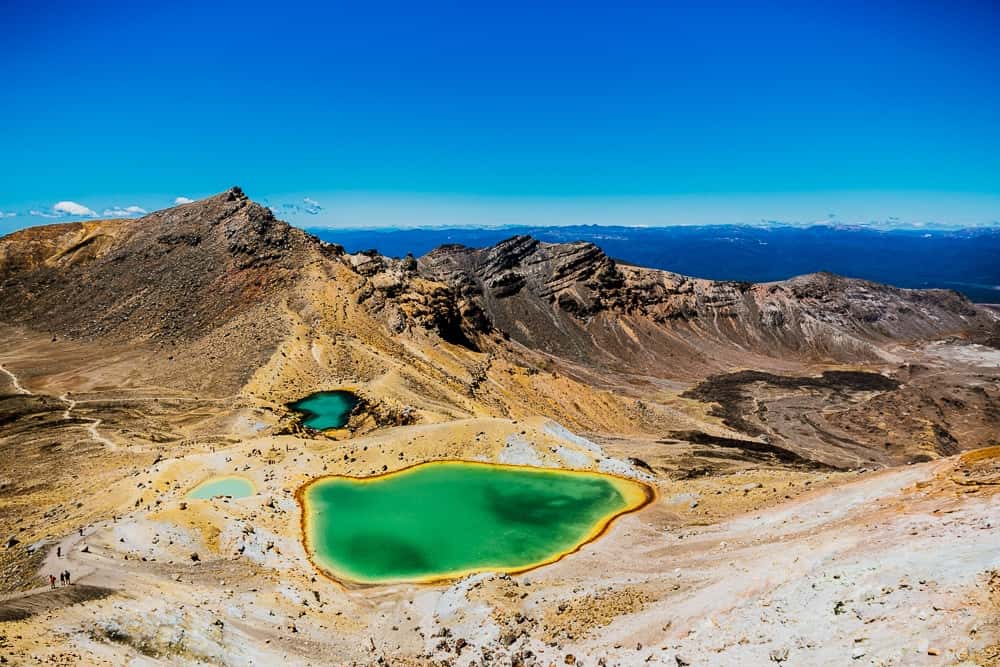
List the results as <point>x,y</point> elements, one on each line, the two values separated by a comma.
<point>236,487</point>
<point>326,409</point>
<point>450,518</point>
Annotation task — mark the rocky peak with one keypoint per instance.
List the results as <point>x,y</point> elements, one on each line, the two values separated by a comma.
<point>171,273</point>
<point>229,224</point>
<point>501,271</point>
<point>571,299</point>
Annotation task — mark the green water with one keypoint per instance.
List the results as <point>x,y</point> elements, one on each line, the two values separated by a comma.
<point>326,409</point>
<point>237,487</point>
<point>446,519</point>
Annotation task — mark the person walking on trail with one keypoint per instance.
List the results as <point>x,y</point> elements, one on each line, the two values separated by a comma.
<point>59,552</point>
<point>62,578</point>
<point>52,581</point>
<point>67,577</point>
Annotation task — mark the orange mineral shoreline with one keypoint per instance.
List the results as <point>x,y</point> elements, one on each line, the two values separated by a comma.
<point>636,494</point>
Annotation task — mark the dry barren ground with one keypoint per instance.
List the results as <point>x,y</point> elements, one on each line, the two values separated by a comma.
<point>896,567</point>
<point>754,552</point>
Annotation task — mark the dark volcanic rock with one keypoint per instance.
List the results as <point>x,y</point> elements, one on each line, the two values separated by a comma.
<point>728,390</point>
<point>574,301</point>
<point>227,265</point>
<point>755,451</point>
<point>170,275</point>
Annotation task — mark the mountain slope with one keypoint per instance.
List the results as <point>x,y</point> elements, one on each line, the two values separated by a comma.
<point>172,274</point>
<point>572,301</point>
<point>220,298</point>
<point>140,358</point>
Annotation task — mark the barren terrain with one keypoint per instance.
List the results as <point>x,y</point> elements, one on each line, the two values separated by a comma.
<point>824,451</point>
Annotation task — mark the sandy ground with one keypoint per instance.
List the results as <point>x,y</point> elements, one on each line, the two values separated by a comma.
<point>815,523</point>
<point>739,561</point>
<point>892,568</point>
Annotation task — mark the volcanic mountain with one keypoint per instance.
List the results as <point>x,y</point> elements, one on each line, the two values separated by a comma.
<point>224,267</point>
<point>574,302</point>
<point>140,356</point>
<point>221,296</point>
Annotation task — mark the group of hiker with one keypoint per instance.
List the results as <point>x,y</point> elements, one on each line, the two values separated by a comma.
<point>64,575</point>
<point>63,579</point>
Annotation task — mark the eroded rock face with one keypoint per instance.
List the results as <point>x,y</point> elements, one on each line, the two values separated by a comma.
<point>204,284</point>
<point>227,264</point>
<point>573,300</point>
<point>170,275</point>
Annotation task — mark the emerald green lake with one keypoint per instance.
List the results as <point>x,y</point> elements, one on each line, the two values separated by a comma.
<point>326,409</point>
<point>446,519</point>
<point>236,487</point>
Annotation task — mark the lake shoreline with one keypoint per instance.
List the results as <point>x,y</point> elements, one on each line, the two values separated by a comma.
<point>635,494</point>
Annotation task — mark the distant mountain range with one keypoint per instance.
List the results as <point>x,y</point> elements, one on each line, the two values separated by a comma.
<point>963,260</point>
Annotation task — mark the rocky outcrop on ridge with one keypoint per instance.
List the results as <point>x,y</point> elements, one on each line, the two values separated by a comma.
<point>225,266</point>
<point>572,300</point>
<point>174,274</point>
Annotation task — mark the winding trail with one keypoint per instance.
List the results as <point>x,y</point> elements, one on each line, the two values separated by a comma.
<point>70,404</point>
<point>18,387</point>
<point>92,427</point>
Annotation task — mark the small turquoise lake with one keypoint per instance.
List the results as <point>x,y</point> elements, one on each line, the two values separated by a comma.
<point>326,409</point>
<point>232,486</point>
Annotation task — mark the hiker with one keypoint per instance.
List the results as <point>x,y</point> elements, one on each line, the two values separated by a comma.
<point>62,578</point>
<point>67,577</point>
<point>58,552</point>
<point>52,581</point>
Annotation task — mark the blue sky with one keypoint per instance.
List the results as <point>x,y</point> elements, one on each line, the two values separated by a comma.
<point>448,113</point>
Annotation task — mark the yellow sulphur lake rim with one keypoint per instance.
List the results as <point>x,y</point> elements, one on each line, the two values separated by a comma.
<point>235,486</point>
<point>528,517</point>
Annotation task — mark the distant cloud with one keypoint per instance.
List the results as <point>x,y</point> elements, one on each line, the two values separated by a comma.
<point>310,207</point>
<point>72,208</point>
<point>7,214</point>
<point>183,200</point>
<point>127,212</point>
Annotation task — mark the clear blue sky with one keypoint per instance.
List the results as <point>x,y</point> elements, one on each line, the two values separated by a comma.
<point>416,113</point>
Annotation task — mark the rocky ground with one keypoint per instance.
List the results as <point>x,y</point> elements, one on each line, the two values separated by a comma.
<point>823,450</point>
<point>897,567</point>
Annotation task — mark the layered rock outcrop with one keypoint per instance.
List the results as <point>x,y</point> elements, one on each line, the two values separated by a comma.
<point>572,300</point>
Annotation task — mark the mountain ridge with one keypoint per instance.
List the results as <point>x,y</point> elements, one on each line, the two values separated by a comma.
<point>142,357</point>
<point>925,259</point>
<point>559,297</point>
<point>180,273</point>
